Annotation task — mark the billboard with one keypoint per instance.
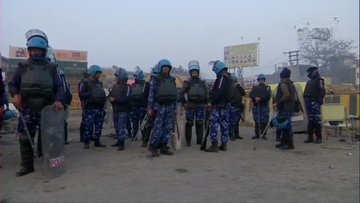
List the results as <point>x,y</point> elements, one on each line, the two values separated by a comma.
<point>61,55</point>
<point>244,55</point>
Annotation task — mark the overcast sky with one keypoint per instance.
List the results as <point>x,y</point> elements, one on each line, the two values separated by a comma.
<point>127,33</point>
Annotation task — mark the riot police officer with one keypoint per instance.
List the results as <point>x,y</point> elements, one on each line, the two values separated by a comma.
<point>120,99</point>
<point>93,95</point>
<point>260,97</point>
<point>162,104</point>
<point>236,109</point>
<point>285,105</point>
<point>35,84</point>
<point>314,94</point>
<point>194,103</point>
<point>220,104</point>
<point>138,98</point>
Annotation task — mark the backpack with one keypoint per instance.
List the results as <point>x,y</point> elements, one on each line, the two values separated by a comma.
<point>297,104</point>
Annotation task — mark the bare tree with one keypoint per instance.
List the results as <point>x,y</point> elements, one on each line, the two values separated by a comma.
<point>318,47</point>
<point>180,71</point>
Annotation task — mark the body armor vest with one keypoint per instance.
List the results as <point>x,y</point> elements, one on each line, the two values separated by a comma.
<point>196,92</point>
<point>166,90</point>
<point>37,85</point>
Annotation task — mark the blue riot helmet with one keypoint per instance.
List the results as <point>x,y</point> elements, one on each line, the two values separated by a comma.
<point>162,63</point>
<point>261,77</point>
<point>37,43</point>
<point>121,74</point>
<point>139,74</point>
<point>194,65</point>
<point>94,69</point>
<point>219,66</point>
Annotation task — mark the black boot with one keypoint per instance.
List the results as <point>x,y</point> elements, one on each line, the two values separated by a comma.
<point>24,171</point>
<point>310,131</point>
<point>155,152</point>
<point>27,156</point>
<point>86,145</point>
<point>257,131</point>
<point>318,135</point>
<point>199,132</point>
<point>188,133</point>
<point>278,135</point>
<point>165,150</point>
<point>282,142</point>
<point>237,133</point>
<point>97,143</point>
<point>289,144</point>
<point>213,148</point>
<point>223,147</point>
<point>121,145</point>
<point>117,143</point>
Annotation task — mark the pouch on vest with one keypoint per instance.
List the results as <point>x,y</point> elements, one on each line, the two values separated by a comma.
<point>166,91</point>
<point>119,91</point>
<point>137,92</point>
<point>196,92</point>
<point>97,94</point>
<point>36,86</point>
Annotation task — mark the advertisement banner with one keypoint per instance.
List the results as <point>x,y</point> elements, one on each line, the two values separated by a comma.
<point>244,55</point>
<point>18,53</point>
<point>61,55</point>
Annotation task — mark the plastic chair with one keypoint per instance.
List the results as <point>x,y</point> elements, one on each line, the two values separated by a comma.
<point>334,116</point>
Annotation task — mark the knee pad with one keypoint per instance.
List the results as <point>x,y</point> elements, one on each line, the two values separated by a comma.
<point>199,123</point>
<point>189,123</point>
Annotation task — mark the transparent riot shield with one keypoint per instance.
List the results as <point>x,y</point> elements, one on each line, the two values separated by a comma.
<point>52,137</point>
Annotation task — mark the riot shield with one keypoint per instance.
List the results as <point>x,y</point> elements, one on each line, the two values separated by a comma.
<point>52,137</point>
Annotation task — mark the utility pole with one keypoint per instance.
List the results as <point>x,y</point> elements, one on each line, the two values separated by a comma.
<point>293,57</point>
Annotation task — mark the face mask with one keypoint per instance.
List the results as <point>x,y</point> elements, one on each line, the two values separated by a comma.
<point>37,57</point>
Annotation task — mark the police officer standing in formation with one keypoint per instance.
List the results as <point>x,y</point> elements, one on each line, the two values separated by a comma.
<point>67,101</point>
<point>138,98</point>
<point>120,99</point>
<point>236,109</point>
<point>34,85</point>
<point>82,124</point>
<point>220,104</point>
<point>197,98</point>
<point>162,104</point>
<point>314,95</point>
<point>146,132</point>
<point>260,97</point>
<point>93,95</point>
<point>285,106</point>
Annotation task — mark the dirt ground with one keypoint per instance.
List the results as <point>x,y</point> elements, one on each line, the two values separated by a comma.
<point>307,174</point>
